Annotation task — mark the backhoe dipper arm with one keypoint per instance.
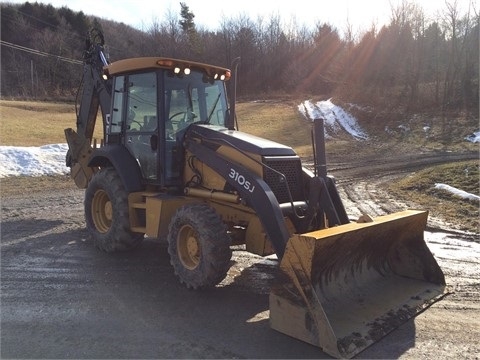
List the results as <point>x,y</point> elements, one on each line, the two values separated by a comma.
<point>95,92</point>
<point>252,188</point>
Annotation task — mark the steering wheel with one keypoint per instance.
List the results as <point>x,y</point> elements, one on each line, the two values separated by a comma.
<point>140,125</point>
<point>187,116</point>
<point>184,113</point>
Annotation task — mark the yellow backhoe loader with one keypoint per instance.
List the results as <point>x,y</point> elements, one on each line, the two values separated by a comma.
<point>173,164</point>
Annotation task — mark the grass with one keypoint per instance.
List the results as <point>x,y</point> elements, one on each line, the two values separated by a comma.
<point>18,185</point>
<point>440,131</point>
<point>420,188</point>
<point>276,121</point>
<point>28,123</point>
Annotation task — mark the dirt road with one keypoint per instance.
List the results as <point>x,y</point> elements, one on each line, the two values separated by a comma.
<point>61,298</point>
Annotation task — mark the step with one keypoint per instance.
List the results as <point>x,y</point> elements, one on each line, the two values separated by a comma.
<point>139,229</point>
<point>151,194</point>
<point>139,205</point>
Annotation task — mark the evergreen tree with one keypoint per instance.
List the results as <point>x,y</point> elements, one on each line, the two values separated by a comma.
<point>187,23</point>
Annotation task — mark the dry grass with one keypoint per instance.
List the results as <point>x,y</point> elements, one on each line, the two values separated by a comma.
<point>28,123</point>
<point>17,185</point>
<point>25,123</point>
<point>276,121</point>
<point>423,131</point>
<point>420,188</point>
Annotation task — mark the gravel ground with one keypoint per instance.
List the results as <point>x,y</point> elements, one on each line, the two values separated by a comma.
<point>61,298</point>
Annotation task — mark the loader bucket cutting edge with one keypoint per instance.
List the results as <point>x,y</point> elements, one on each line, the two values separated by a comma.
<point>346,287</point>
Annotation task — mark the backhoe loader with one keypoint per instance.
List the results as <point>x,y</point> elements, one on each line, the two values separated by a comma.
<point>172,164</point>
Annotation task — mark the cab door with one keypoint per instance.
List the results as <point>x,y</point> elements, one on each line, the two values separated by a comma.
<point>141,123</point>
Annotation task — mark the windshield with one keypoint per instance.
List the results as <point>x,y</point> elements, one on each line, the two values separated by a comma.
<point>192,98</point>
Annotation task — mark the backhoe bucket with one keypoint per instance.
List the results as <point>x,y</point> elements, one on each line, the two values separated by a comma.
<point>346,287</point>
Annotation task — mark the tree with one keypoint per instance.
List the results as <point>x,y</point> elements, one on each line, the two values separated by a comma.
<point>188,27</point>
<point>187,23</point>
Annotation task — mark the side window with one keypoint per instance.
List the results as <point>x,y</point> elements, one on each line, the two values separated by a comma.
<point>142,102</point>
<point>117,114</point>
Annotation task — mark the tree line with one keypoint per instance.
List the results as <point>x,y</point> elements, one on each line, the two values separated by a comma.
<point>414,61</point>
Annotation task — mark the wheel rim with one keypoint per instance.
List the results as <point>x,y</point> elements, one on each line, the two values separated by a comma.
<point>188,247</point>
<point>102,211</point>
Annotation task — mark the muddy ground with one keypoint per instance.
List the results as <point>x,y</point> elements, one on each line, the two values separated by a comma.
<point>62,298</point>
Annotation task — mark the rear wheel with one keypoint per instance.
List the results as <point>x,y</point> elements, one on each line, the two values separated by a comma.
<point>199,246</point>
<point>107,214</point>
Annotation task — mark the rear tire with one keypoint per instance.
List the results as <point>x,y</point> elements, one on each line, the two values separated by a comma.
<point>199,246</point>
<point>107,213</point>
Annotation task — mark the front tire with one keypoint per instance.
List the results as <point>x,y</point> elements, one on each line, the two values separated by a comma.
<point>199,246</point>
<point>107,213</point>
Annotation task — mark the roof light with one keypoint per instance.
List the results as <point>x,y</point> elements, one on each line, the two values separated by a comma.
<point>165,62</point>
<point>186,71</point>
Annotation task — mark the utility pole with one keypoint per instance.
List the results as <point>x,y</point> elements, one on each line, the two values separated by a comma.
<point>31,75</point>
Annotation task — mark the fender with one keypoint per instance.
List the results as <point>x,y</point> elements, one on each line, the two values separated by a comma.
<point>124,163</point>
<point>253,189</point>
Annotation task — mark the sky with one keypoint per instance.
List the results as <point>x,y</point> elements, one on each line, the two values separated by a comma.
<point>361,14</point>
<point>50,159</point>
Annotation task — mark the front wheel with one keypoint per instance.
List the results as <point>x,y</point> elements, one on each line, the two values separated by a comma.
<point>107,213</point>
<point>199,246</point>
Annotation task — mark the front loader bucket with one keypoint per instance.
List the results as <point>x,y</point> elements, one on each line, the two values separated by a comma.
<point>346,287</point>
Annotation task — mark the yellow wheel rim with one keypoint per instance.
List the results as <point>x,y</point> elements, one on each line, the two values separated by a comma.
<point>102,211</point>
<point>188,247</point>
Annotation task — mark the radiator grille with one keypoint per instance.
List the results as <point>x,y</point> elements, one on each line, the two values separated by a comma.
<point>291,167</point>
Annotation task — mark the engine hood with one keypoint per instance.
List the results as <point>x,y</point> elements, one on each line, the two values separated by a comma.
<point>246,142</point>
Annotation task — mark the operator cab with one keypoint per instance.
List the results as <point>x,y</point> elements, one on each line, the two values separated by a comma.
<point>154,101</point>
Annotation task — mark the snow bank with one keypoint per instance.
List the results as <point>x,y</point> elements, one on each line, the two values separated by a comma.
<point>460,193</point>
<point>33,161</point>
<point>335,117</point>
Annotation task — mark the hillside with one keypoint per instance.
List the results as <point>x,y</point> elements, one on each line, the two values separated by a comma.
<point>408,66</point>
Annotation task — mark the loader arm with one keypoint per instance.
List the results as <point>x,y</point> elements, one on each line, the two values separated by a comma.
<point>254,190</point>
<point>323,204</point>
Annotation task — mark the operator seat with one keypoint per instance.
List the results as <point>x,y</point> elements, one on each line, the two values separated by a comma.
<point>149,123</point>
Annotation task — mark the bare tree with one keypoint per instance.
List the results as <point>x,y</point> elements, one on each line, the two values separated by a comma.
<point>410,62</point>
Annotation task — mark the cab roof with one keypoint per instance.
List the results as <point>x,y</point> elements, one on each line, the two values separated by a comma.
<point>145,63</point>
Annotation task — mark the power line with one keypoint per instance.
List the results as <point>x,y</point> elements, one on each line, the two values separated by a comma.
<point>38,52</point>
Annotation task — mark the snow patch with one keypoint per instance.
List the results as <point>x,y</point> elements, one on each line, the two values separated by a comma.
<point>474,138</point>
<point>33,161</point>
<point>335,117</point>
<point>457,192</point>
